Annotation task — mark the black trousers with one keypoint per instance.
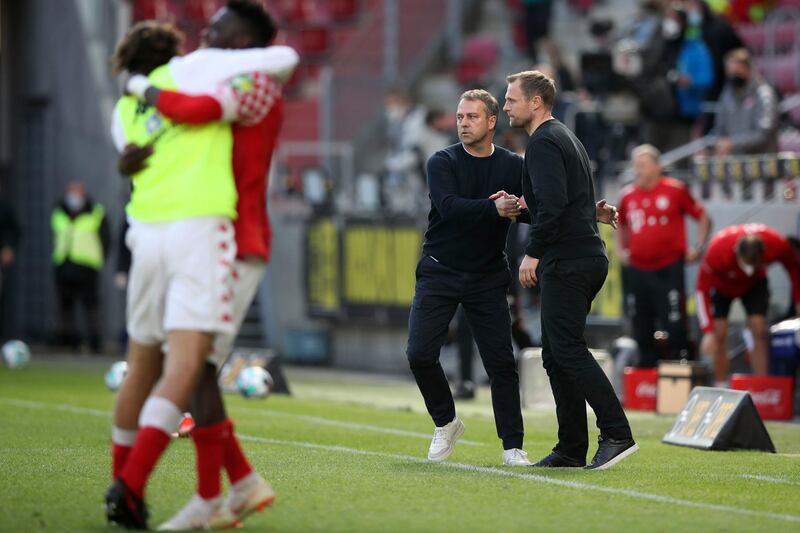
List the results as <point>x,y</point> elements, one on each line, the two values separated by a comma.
<point>464,343</point>
<point>439,291</point>
<point>568,287</point>
<point>656,300</point>
<point>78,290</point>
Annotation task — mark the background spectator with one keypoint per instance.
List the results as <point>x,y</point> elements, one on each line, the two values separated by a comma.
<point>747,119</point>
<point>81,241</point>
<point>9,239</point>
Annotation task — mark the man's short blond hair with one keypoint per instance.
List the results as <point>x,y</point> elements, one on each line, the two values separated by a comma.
<point>646,149</point>
<point>535,83</point>
<point>480,95</point>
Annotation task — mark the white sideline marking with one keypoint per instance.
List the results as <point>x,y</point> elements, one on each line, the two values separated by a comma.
<point>533,477</point>
<point>349,425</point>
<point>57,406</point>
<point>771,479</point>
<point>459,466</point>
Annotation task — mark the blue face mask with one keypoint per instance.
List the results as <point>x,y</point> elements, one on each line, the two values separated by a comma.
<point>694,18</point>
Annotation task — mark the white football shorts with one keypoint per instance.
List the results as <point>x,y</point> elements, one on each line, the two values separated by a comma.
<point>181,278</point>
<point>246,280</point>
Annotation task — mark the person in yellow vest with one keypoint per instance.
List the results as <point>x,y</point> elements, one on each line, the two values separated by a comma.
<point>81,240</point>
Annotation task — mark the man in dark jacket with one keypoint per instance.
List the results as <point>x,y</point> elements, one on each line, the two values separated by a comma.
<point>565,253</point>
<point>81,240</point>
<point>9,237</point>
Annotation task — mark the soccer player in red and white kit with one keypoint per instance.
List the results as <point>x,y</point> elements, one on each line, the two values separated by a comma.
<point>253,102</point>
<point>652,244</point>
<point>735,266</point>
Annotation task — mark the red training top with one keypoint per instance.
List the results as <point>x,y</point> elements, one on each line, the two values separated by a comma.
<point>720,269</point>
<point>654,220</point>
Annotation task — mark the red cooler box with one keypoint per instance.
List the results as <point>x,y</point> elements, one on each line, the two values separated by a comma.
<point>640,386</point>
<point>773,395</point>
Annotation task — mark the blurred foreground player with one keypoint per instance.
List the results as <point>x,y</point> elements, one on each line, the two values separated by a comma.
<point>255,102</point>
<point>735,266</point>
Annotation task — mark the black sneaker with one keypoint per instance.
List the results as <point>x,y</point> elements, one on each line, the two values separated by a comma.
<point>556,460</point>
<point>465,391</point>
<point>124,508</point>
<point>611,451</point>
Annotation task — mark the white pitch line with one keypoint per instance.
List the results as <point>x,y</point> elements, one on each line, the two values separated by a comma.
<point>459,466</point>
<point>349,425</point>
<point>57,406</point>
<point>771,479</point>
<point>532,477</point>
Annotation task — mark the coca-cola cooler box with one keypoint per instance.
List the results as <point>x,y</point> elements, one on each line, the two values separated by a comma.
<point>676,379</point>
<point>784,347</point>
<point>640,385</point>
<point>773,395</point>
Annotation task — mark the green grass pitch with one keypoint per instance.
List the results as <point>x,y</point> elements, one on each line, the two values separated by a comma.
<point>346,453</point>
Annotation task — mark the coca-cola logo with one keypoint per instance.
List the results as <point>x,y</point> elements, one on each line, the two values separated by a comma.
<point>766,397</point>
<point>645,390</point>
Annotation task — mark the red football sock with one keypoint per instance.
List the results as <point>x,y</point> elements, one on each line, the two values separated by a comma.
<point>119,455</point>
<point>236,463</point>
<point>210,444</point>
<point>150,445</point>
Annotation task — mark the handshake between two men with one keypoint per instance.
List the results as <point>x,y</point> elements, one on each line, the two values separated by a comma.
<point>512,207</point>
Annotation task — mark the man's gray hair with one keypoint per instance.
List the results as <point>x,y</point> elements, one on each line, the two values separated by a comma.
<point>646,149</point>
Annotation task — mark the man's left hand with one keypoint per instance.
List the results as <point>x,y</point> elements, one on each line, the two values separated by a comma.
<point>692,254</point>
<point>607,213</point>
<point>527,272</point>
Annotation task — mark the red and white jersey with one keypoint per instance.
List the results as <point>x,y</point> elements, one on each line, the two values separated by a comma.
<point>720,269</point>
<point>654,222</point>
<point>253,102</point>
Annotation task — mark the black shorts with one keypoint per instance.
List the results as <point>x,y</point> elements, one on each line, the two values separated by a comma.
<point>755,301</point>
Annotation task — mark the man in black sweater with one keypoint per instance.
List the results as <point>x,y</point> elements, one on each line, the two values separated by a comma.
<point>566,255</point>
<point>474,188</point>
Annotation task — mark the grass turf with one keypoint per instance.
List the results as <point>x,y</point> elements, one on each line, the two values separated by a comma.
<point>333,475</point>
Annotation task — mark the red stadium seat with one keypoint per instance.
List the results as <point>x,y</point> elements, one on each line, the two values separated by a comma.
<point>478,57</point>
<point>343,10</point>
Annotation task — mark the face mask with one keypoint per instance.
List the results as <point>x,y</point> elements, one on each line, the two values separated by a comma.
<point>670,29</point>
<point>394,113</point>
<point>694,18</point>
<point>737,81</point>
<point>747,269</point>
<point>74,201</point>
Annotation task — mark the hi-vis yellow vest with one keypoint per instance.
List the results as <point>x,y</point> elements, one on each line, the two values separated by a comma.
<point>78,240</point>
<point>190,173</point>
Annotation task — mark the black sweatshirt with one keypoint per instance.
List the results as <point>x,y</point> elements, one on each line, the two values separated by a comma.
<point>465,232</point>
<point>558,187</point>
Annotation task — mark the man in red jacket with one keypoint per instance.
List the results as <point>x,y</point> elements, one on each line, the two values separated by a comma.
<point>735,266</point>
<point>652,244</point>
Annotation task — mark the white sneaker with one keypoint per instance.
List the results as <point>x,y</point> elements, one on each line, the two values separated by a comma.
<point>444,440</point>
<point>249,495</point>
<point>516,457</point>
<point>201,514</point>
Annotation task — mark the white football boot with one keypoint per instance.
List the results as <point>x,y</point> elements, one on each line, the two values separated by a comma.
<point>201,514</point>
<point>444,440</point>
<point>249,495</point>
<point>516,457</point>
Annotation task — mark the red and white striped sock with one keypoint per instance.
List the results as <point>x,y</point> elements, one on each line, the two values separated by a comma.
<point>121,444</point>
<point>158,420</point>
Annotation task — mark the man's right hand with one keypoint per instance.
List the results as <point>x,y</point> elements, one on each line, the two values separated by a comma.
<point>507,205</point>
<point>133,159</point>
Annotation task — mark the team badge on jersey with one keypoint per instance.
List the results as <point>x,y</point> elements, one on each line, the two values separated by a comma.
<point>662,203</point>
<point>243,83</point>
